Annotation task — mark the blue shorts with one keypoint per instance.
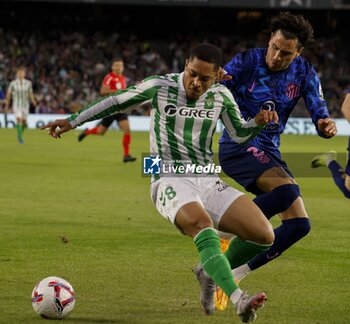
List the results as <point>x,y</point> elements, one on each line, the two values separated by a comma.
<point>245,163</point>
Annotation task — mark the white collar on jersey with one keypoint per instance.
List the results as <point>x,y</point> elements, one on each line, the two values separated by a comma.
<point>181,81</point>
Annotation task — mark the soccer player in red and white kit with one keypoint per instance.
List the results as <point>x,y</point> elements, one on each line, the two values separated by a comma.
<point>113,82</point>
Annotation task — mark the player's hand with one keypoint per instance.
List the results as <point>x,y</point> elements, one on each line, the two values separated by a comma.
<point>265,117</point>
<point>222,75</point>
<point>63,125</point>
<point>327,126</point>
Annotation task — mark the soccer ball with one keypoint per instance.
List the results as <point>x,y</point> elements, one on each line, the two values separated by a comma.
<point>53,298</point>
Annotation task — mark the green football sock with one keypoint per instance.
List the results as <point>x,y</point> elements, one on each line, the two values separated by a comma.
<point>214,261</point>
<point>240,251</point>
<point>19,128</point>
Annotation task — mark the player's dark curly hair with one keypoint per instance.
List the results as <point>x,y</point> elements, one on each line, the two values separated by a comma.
<point>293,26</point>
<point>208,53</point>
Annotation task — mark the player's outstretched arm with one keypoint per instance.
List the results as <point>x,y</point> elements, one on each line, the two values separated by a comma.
<point>126,99</point>
<point>240,130</point>
<point>58,127</point>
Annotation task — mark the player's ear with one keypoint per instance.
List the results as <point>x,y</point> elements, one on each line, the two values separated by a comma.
<point>186,63</point>
<point>218,76</point>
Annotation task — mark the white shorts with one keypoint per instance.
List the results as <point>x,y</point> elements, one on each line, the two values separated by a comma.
<point>21,112</point>
<point>169,194</point>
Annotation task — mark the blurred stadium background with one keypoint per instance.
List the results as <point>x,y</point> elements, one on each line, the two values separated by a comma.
<point>67,46</point>
<point>126,263</point>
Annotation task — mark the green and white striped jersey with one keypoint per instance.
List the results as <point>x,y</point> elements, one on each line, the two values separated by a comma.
<point>181,129</point>
<point>20,91</point>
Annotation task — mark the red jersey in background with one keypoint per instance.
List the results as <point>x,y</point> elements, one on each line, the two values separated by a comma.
<point>114,82</point>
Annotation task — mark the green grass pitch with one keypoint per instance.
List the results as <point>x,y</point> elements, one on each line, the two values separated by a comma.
<point>128,264</point>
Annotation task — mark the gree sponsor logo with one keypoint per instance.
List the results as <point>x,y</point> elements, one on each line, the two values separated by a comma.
<point>172,110</point>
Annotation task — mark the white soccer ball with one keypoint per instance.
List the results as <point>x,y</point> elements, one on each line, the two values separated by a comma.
<point>53,298</point>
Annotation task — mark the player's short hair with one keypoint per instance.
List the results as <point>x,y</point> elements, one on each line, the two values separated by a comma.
<point>292,27</point>
<point>21,68</point>
<point>117,59</point>
<point>208,53</point>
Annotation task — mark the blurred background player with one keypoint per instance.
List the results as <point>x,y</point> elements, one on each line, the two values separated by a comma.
<point>340,176</point>
<point>113,82</point>
<point>21,91</point>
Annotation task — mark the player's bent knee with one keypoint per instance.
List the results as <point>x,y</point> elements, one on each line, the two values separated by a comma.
<point>285,195</point>
<point>194,226</point>
<point>266,235</point>
<point>261,232</point>
<point>306,227</point>
<point>270,235</point>
<point>193,229</point>
<point>299,226</point>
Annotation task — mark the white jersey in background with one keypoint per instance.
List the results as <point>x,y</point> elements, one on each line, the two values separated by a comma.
<point>20,91</point>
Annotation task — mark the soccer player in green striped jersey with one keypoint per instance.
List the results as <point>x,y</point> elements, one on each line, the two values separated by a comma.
<point>186,108</point>
<point>21,91</point>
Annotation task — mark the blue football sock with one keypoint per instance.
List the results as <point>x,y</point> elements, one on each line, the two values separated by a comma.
<point>290,232</point>
<point>278,200</point>
<point>339,177</point>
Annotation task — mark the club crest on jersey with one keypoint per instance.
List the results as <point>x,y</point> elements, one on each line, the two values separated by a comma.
<point>172,110</point>
<point>293,90</point>
<point>209,101</point>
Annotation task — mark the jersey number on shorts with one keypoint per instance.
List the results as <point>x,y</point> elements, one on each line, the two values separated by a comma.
<point>167,194</point>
